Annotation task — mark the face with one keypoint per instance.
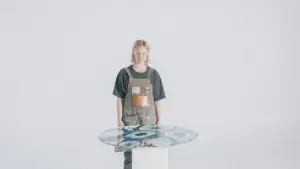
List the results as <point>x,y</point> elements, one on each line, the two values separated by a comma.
<point>140,55</point>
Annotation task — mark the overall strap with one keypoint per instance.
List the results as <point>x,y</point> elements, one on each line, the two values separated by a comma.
<point>149,73</point>
<point>128,72</point>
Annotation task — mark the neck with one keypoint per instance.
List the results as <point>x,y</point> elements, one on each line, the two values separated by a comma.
<point>140,67</point>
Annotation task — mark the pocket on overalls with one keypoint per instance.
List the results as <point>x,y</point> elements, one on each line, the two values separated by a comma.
<point>150,118</point>
<point>140,97</point>
<point>130,120</point>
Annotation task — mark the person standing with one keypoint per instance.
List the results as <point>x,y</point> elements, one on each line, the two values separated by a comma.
<point>139,90</point>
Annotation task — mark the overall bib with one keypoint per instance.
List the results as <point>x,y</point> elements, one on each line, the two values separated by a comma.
<point>139,107</point>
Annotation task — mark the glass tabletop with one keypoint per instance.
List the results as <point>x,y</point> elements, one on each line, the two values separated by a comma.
<point>160,136</point>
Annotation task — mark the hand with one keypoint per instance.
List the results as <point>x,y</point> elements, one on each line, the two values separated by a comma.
<point>120,123</point>
<point>158,122</point>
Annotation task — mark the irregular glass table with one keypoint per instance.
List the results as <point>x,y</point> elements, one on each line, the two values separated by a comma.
<point>131,137</point>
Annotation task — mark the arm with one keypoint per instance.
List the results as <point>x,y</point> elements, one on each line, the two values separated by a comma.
<point>119,112</point>
<point>158,93</point>
<point>158,110</point>
<point>120,90</point>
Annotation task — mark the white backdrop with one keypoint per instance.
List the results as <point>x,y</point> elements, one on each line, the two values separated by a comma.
<point>230,70</point>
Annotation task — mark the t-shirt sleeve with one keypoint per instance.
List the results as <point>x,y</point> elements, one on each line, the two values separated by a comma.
<point>158,88</point>
<point>121,84</point>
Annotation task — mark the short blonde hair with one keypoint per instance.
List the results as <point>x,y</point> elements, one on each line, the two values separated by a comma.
<point>137,44</point>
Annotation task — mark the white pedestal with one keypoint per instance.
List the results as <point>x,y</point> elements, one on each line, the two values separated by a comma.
<point>150,158</point>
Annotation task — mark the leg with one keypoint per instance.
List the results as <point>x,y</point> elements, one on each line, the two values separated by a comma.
<point>128,160</point>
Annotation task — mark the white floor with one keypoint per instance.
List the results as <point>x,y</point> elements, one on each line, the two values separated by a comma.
<point>255,146</point>
<point>264,147</point>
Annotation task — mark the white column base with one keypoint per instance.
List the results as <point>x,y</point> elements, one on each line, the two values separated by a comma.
<point>150,158</point>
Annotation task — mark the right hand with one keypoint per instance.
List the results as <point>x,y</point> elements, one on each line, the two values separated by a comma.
<point>120,123</point>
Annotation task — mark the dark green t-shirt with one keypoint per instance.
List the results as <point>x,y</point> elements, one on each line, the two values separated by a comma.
<point>122,79</point>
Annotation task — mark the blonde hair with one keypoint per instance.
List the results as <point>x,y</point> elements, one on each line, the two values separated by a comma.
<point>137,44</point>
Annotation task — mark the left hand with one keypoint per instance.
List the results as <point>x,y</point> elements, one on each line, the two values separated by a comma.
<point>158,122</point>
